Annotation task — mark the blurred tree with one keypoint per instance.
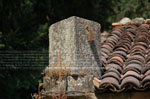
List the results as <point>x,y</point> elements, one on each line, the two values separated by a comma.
<point>129,8</point>
<point>1,41</point>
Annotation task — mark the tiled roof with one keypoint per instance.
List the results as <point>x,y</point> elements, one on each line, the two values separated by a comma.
<point>126,58</point>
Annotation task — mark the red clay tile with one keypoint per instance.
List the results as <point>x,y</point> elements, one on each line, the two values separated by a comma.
<point>132,73</point>
<point>115,66</point>
<point>109,82</point>
<point>126,55</point>
<point>129,82</point>
<point>117,59</point>
<point>111,74</point>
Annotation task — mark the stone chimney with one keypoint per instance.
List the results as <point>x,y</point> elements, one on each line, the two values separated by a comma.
<point>74,47</point>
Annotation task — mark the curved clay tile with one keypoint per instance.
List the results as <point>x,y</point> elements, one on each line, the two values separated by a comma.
<point>104,54</point>
<point>128,45</point>
<point>121,46</point>
<point>118,28</point>
<point>131,69</point>
<point>113,70</point>
<point>120,52</point>
<point>121,49</point>
<point>103,59</point>
<point>147,64</point>
<point>96,82</point>
<point>132,31</point>
<point>117,33</point>
<point>131,27</point>
<point>114,37</point>
<point>147,72</point>
<point>135,58</point>
<point>105,50</point>
<point>148,51</point>
<point>132,73</point>
<point>115,66</point>
<point>125,40</point>
<point>127,37</point>
<point>130,81</point>
<point>131,36</point>
<point>145,68</point>
<point>137,49</point>
<point>142,44</point>
<point>146,81</point>
<point>145,26</point>
<point>107,47</point>
<point>138,53</point>
<point>111,44</point>
<point>141,38</point>
<point>115,62</point>
<point>111,40</point>
<point>111,74</point>
<point>139,58</point>
<point>109,82</point>
<point>148,59</point>
<point>117,58</point>
<point>133,65</point>
<point>117,55</point>
<point>134,62</point>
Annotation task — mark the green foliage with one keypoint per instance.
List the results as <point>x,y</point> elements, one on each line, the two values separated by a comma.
<point>1,41</point>
<point>129,8</point>
<point>24,27</point>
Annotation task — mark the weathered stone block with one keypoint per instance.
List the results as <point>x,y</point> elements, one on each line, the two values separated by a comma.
<point>74,46</point>
<point>71,36</point>
<point>80,83</point>
<point>52,84</point>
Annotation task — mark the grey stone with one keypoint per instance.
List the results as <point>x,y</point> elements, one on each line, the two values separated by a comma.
<point>138,21</point>
<point>73,85</point>
<point>71,36</point>
<point>53,84</point>
<point>147,21</point>
<point>80,83</point>
<point>70,49</point>
<point>125,21</point>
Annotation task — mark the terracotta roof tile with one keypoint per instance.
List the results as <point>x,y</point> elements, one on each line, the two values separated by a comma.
<point>126,57</point>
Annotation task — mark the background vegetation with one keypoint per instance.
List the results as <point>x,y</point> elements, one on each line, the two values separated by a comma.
<point>24,27</point>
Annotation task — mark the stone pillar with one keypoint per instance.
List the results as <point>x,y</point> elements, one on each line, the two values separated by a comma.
<point>71,36</point>
<point>75,44</point>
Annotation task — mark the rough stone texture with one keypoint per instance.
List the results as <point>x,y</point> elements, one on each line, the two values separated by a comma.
<point>147,21</point>
<point>53,84</point>
<point>125,21</point>
<point>138,21</point>
<point>76,83</point>
<point>71,36</point>
<point>69,39</point>
<point>70,83</point>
